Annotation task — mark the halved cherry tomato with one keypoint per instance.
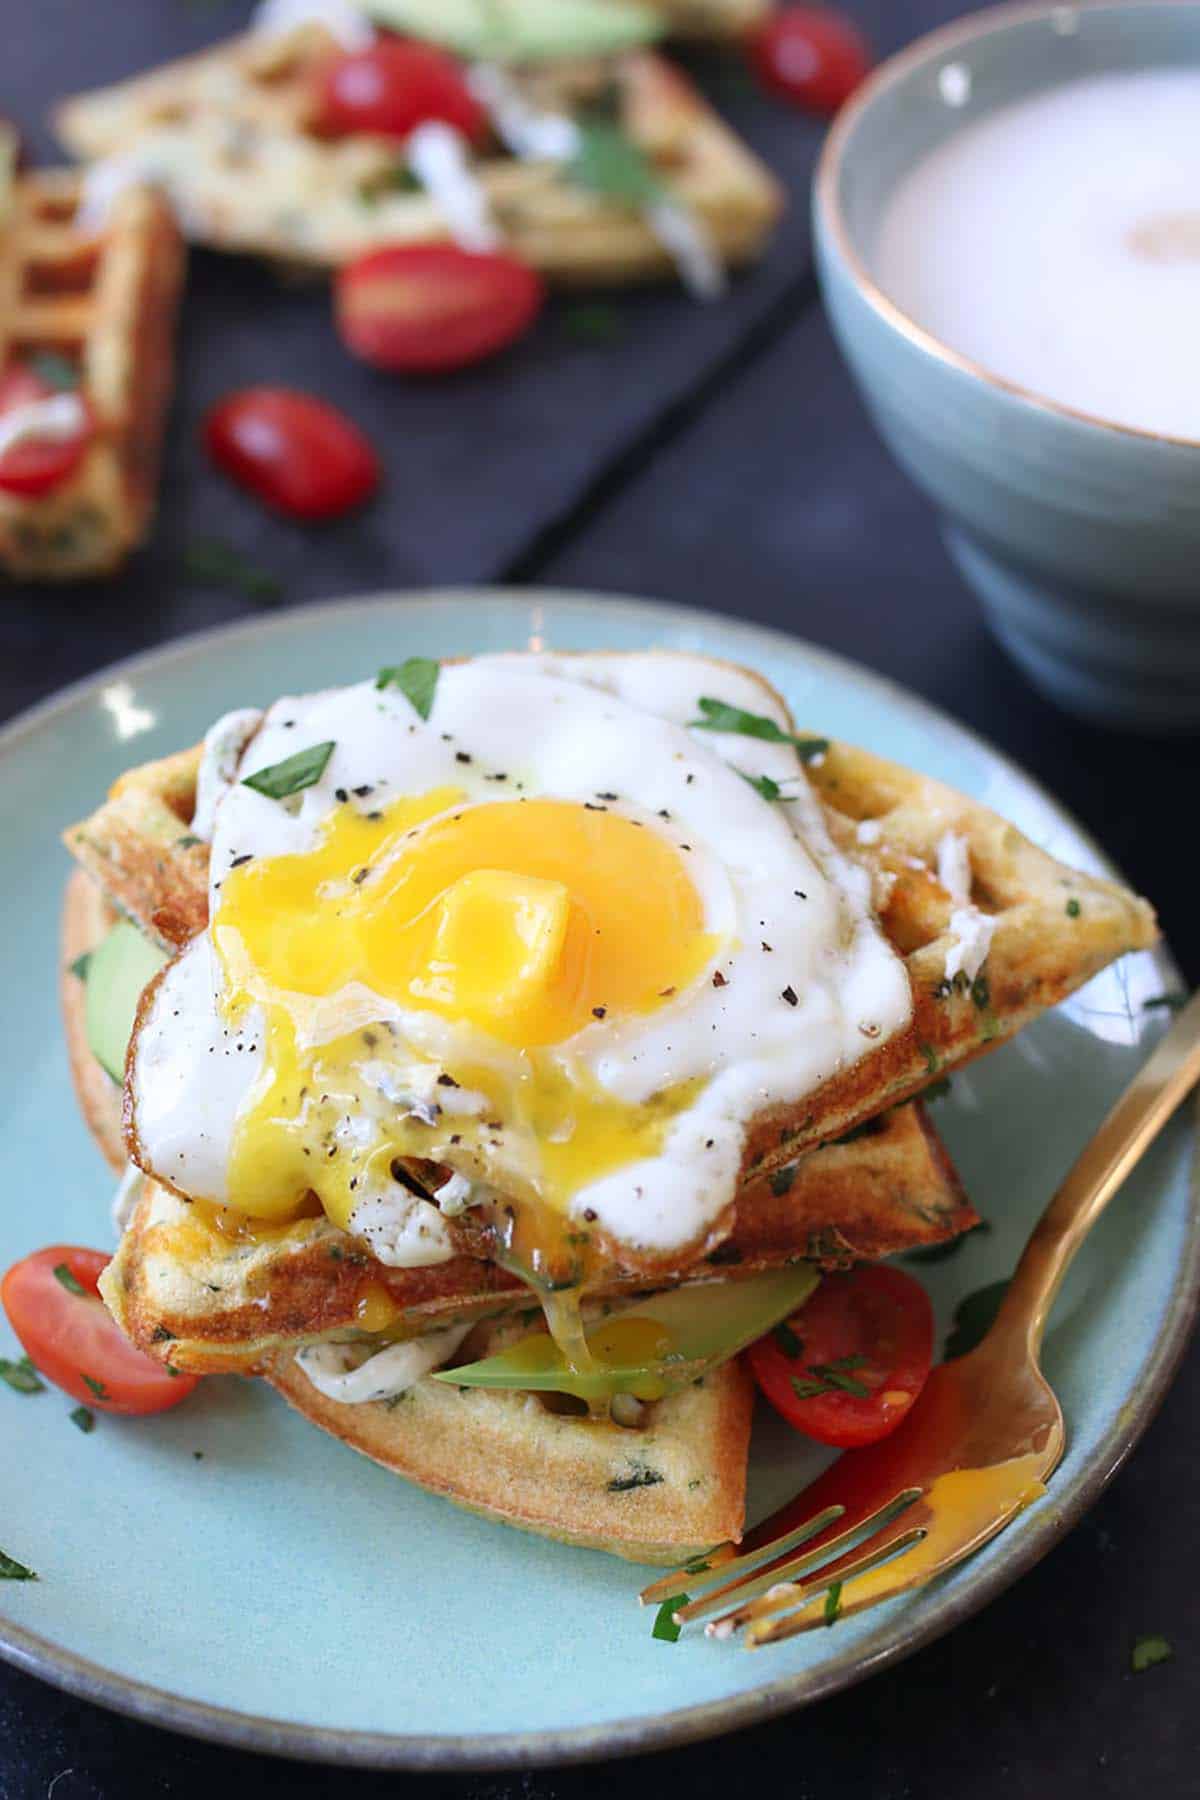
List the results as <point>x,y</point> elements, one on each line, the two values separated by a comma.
<point>393,87</point>
<point>74,1342</point>
<point>427,308</point>
<point>848,1366</point>
<point>811,55</point>
<point>39,464</point>
<point>296,452</point>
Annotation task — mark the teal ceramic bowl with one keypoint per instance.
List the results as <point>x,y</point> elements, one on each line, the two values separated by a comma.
<point>226,1569</point>
<point>1080,537</point>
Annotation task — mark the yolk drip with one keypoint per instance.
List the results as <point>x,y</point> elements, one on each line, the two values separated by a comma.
<point>524,920</point>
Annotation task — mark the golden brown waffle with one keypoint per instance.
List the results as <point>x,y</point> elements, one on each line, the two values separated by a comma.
<point>230,134</point>
<point>106,301</point>
<point>710,18</point>
<point>657,1493</point>
<point>209,1298</point>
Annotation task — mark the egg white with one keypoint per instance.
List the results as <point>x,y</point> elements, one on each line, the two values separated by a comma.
<point>809,984</point>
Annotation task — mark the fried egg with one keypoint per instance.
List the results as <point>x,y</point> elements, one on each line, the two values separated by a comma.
<point>549,937</point>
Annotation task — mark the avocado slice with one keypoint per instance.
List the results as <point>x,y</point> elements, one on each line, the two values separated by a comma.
<point>522,30</point>
<point>654,1346</point>
<point>117,971</point>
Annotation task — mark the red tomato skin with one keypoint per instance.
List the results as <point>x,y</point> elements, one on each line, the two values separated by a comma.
<point>874,1311</point>
<point>68,1336</point>
<point>298,454</point>
<point>812,56</point>
<point>430,308</point>
<point>33,469</point>
<point>394,86</point>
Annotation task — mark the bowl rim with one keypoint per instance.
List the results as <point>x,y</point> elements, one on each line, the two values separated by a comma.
<point>827,207</point>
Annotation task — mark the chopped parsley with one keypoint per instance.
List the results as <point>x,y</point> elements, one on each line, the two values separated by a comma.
<point>417,680</point>
<point>720,717</point>
<point>84,1417</point>
<point>665,1628</point>
<point>1165,1002</point>
<point>594,322</point>
<point>399,179</point>
<point>787,1340</point>
<point>11,1570</point>
<point>65,1279</point>
<point>56,370</point>
<point>98,1388</point>
<point>292,774</point>
<point>21,1376</point>
<point>608,162</point>
<point>81,965</point>
<point>833,1603</point>
<point>209,562</point>
<point>931,1057</point>
<point>762,784</point>
<point>1073,909</point>
<point>1146,1652</point>
<point>830,1377</point>
<point>637,1478</point>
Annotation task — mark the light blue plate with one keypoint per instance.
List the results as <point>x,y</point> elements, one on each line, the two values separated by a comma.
<point>285,1594</point>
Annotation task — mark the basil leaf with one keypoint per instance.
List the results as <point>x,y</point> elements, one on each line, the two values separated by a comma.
<point>417,680</point>
<point>292,774</point>
<point>11,1570</point>
<point>665,1628</point>
<point>718,716</point>
<point>84,1417</point>
<point>65,1279</point>
<point>21,1376</point>
<point>608,162</point>
<point>1149,1650</point>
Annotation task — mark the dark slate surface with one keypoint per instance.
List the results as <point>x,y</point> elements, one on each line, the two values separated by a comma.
<point>718,458</point>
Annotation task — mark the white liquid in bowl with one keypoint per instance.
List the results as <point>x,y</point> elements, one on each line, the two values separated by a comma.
<point>1057,244</point>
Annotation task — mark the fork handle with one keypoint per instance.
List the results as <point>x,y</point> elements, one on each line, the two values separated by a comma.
<point>1126,1134</point>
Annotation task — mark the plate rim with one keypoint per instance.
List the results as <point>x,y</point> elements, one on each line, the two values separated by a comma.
<point>477,1752</point>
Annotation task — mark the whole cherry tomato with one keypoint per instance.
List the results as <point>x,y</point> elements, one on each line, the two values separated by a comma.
<point>810,55</point>
<point>427,308</point>
<point>54,1308</point>
<point>848,1366</point>
<point>37,465</point>
<point>297,453</point>
<point>393,87</point>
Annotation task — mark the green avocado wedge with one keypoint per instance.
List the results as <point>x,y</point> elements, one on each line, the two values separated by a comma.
<point>117,971</point>
<point>653,1346</point>
<point>522,30</point>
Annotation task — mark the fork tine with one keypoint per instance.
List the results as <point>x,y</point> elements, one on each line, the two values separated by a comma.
<point>801,1615</point>
<point>663,1586</point>
<point>729,1564</point>
<point>783,1566</point>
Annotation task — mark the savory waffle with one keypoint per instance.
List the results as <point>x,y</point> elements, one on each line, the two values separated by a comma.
<point>105,301</point>
<point>230,135</point>
<point>1051,928</point>
<point>710,18</point>
<point>658,1492</point>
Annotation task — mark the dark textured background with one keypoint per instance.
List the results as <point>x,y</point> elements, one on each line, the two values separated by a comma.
<point>717,457</point>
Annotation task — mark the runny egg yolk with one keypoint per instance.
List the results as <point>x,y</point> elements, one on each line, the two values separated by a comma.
<point>524,920</point>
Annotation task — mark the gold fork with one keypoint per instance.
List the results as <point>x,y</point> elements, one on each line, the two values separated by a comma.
<point>979,1444</point>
